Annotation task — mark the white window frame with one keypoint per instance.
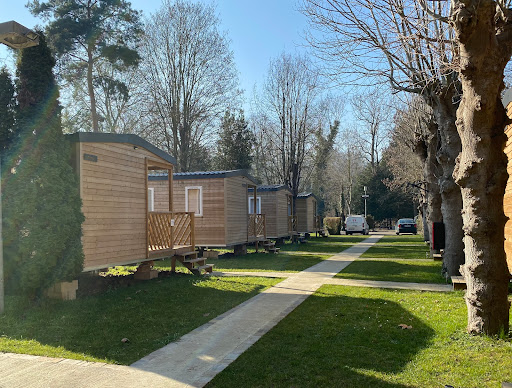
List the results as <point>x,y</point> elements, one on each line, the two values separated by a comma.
<point>151,199</point>
<point>200,188</point>
<point>258,204</point>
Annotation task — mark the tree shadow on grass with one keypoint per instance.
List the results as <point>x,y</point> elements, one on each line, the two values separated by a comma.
<point>332,340</point>
<point>149,314</point>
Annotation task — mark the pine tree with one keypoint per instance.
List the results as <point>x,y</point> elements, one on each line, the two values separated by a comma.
<point>42,214</point>
<point>7,108</point>
<point>234,148</point>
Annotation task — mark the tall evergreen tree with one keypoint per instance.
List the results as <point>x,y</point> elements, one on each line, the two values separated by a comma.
<point>234,148</point>
<point>7,109</point>
<point>86,33</point>
<point>323,149</point>
<point>42,215</point>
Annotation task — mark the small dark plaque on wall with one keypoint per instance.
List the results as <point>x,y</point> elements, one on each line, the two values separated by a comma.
<point>90,158</point>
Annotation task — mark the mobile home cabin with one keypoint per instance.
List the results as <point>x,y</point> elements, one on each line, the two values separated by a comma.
<point>275,202</point>
<point>220,202</point>
<point>306,212</point>
<point>120,225</point>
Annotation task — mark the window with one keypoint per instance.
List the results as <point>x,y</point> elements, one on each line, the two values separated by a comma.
<point>258,205</point>
<point>151,199</point>
<point>194,200</point>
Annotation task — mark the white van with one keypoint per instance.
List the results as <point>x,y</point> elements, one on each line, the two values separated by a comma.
<point>356,224</point>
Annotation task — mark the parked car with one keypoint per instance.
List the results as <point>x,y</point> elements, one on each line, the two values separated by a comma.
<point>406,225</point>
<point>356,224</point>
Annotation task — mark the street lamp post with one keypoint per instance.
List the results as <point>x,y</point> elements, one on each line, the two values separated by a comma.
<point>16,36</point>
<point>365,196</point>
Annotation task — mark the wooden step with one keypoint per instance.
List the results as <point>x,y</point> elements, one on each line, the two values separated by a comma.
<point>459,283</point>
<point>197,260</point>
<point>191,253</point>
<point>206,267</point>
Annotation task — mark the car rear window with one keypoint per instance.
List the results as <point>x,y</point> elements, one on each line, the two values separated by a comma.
<point>407,221</point>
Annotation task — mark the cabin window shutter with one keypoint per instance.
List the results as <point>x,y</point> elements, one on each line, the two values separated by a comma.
<point>151,199</point>
<point>194,200</point>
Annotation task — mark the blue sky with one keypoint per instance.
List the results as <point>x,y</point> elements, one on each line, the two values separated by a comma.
<point>259,30</point>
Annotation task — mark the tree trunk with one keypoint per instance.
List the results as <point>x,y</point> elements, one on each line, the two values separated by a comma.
<point>451,198</point>
<point>426,228</point>
<point>431,172</point>
<point>90,88</point>
<point>481,166</point>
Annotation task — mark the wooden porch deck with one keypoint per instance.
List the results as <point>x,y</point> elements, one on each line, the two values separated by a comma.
<point>170,234</point>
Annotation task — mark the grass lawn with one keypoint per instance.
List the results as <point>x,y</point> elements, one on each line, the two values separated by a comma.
<point>150,314</point>
<point>349,337</point>
<point>267,262</point>
<point>415,271</point>
<point>402,239</point>
<point>397,251</point>
<point>331,244</point>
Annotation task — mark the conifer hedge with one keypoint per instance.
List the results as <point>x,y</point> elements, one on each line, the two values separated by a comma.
<point>41,202</point>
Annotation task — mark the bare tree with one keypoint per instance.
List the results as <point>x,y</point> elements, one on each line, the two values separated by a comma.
<point>190,76</point>
<point>484,35</point>
<point>286,123</point>
<point>373,115</point>
<point>399,42</point>
<point>411,157</point>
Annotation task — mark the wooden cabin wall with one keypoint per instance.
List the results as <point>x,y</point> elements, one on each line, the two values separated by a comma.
<point>311,201</point>
<point>161,193</point>
<point>210,228</point>
<point>269,208</point>
<point>113,192</point>
<point>507,200</point>
<point>301,210</point>
<point>237,209</point>
<point>282,212</point>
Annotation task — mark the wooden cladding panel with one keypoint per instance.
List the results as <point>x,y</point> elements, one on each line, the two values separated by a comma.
<point>269,208</point>
<point>114,202</point>
<point>282,213</point>
<point>236,209</point>
<point>210,227</point>
<point>302,215</point>
<point>274,206</point>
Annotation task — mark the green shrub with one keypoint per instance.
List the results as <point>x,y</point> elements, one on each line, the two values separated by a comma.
<point>333,224</point>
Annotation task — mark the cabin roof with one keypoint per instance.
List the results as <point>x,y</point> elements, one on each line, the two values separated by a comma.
<point>271,188</point>
<point>94,137</point>
<point>202,175</point>
<point>306,195</point>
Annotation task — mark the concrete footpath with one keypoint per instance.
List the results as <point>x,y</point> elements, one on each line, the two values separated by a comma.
<point>199,355</point>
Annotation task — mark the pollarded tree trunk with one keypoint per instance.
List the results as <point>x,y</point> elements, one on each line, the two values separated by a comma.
<point>426,233</point>
<point>431,172</point>
<point>481,171</point>
<point>451,204</point>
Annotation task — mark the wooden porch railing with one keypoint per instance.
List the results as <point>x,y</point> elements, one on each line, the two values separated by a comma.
<point>292,224</point>
<point>161,235</point>
<point>257,226</point>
